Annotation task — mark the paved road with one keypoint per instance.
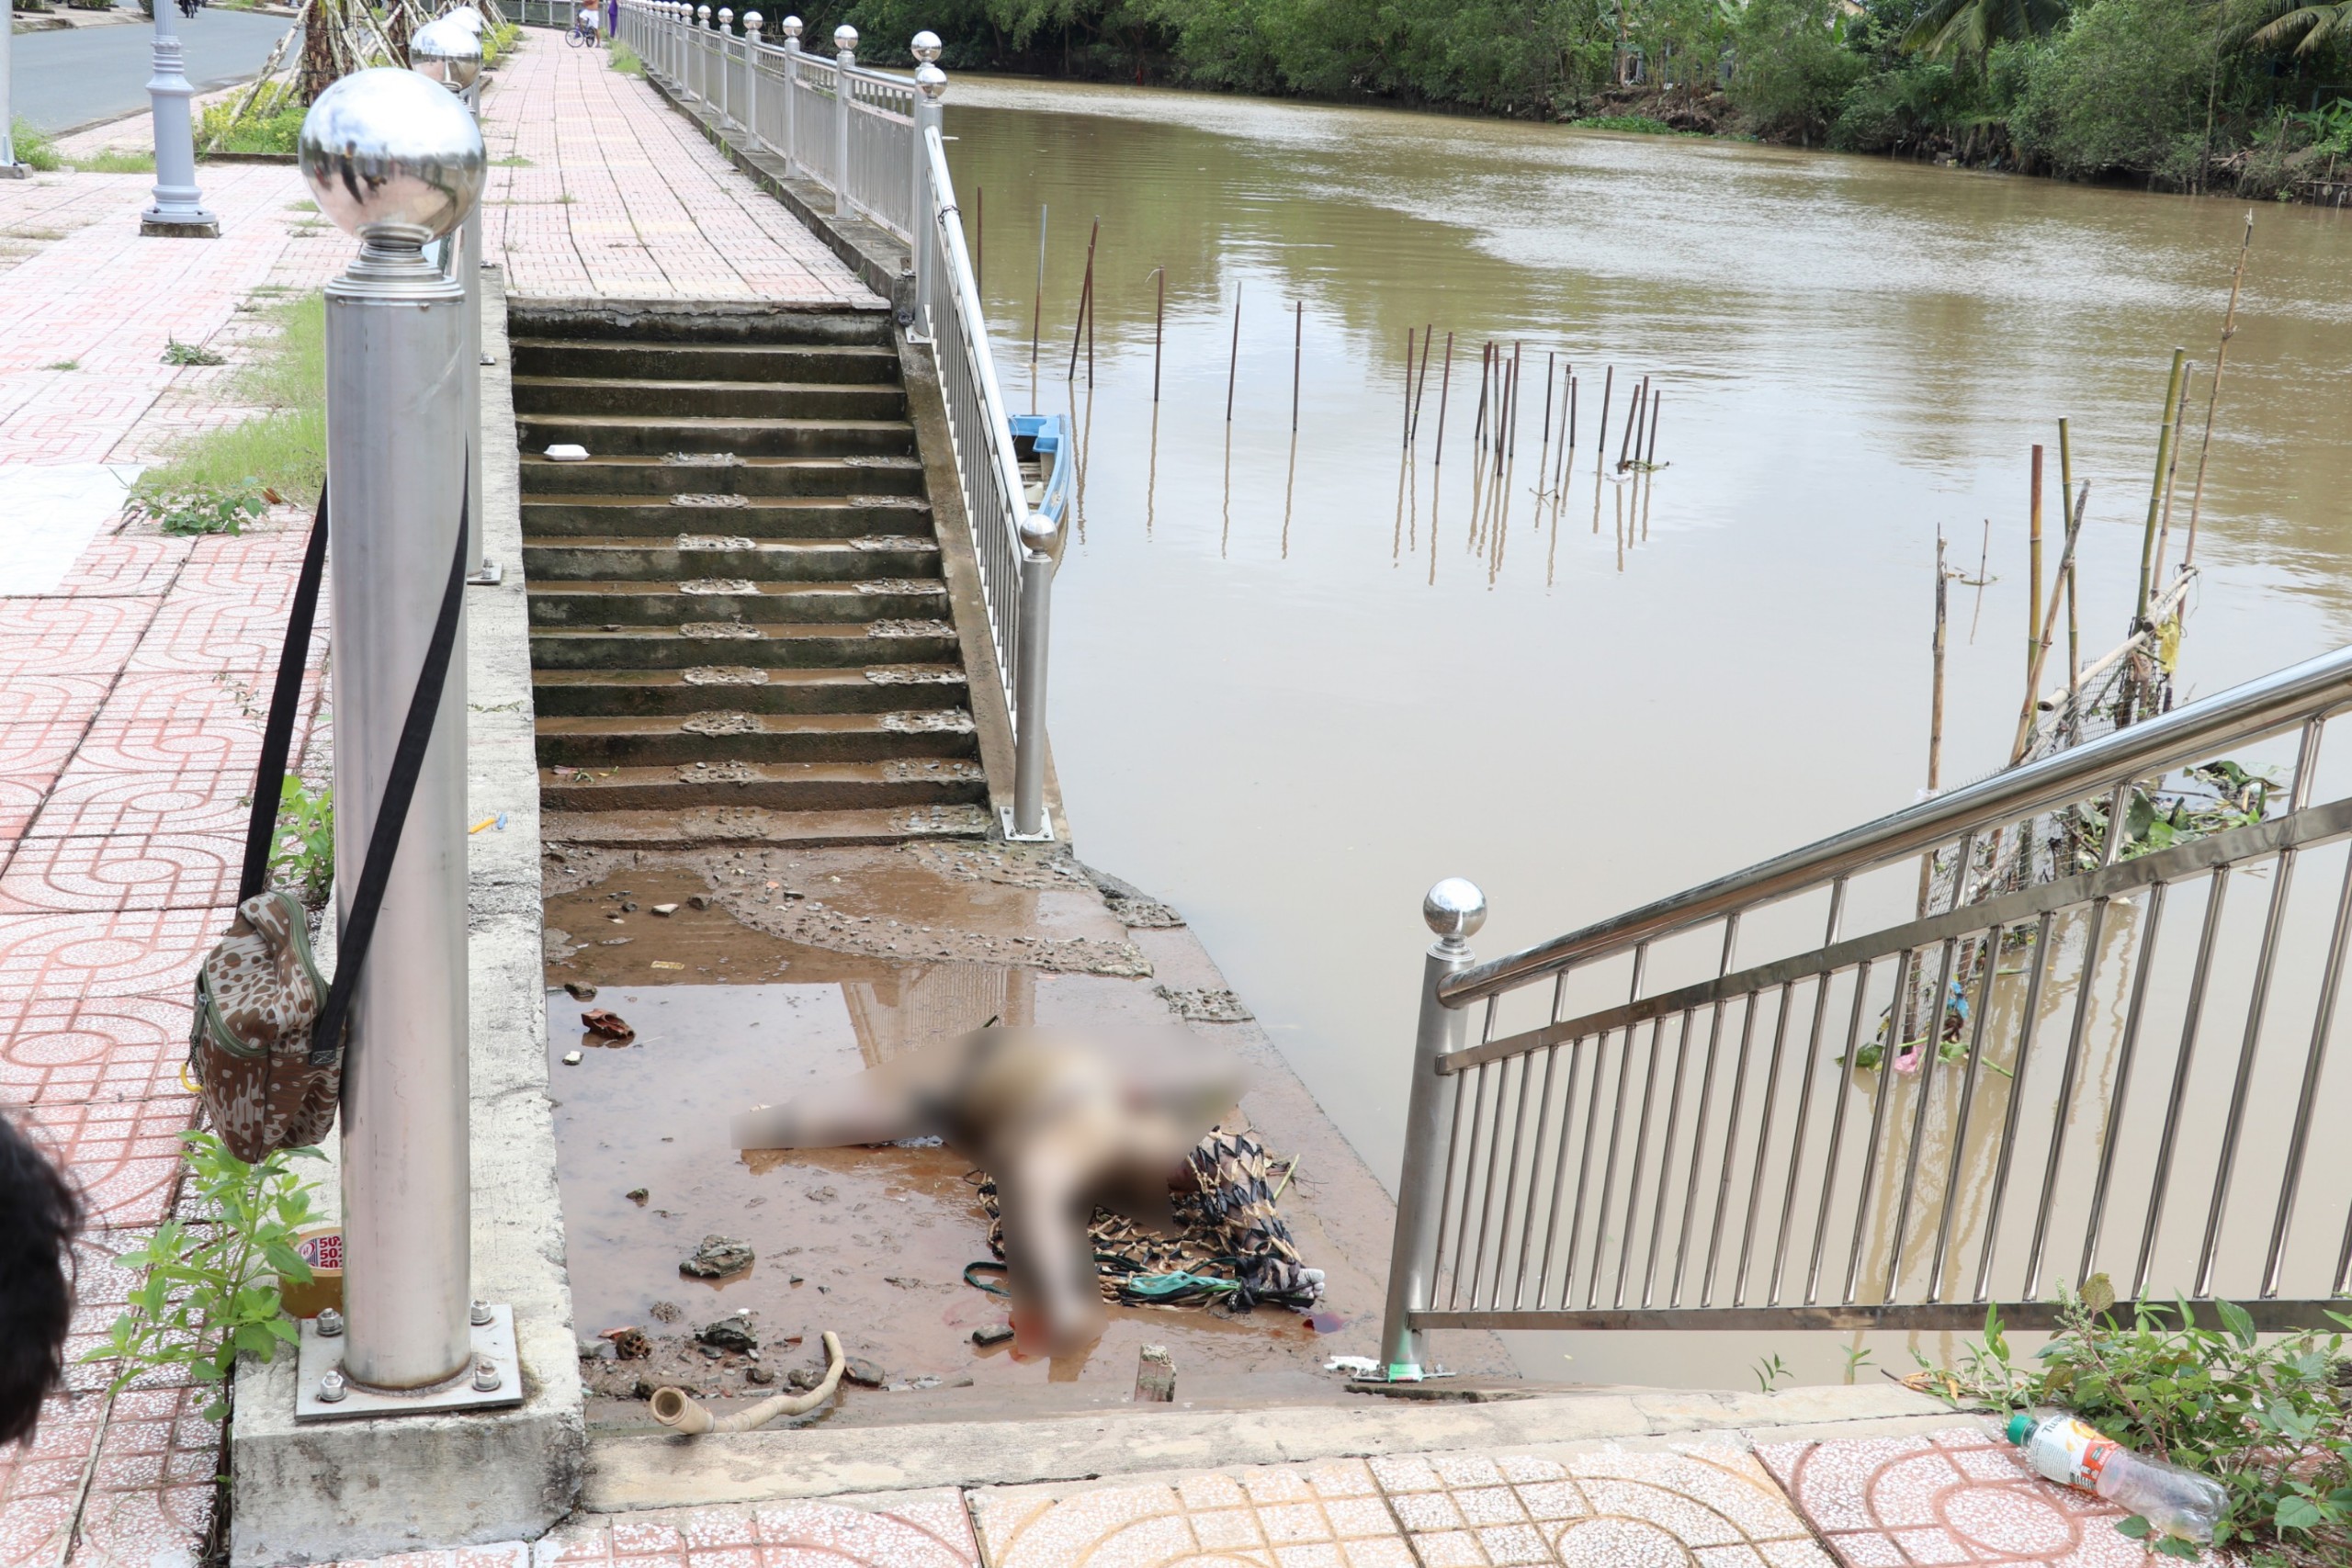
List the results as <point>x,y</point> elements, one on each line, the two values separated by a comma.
<point>66,80</point>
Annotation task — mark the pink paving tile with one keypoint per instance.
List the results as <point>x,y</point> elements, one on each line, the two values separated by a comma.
<point>178,871</point>
<point>193,697</point>
<point>21,798</point>
<point>171,745</point>
<point>93,1048</point>
<point>123,953</point>
<point>204,633</point>
<point>1958,1496</point>
<point>40,1485</point>
<point>125,1155</point>
<point>113,567</point>
<point>88,801</point>
<point>43,699</point>
<point>70,636</point>
<point>261,566</point>
<point>151,1491</point>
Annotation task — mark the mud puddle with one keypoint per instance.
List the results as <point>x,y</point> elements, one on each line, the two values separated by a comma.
<point>774,971</point>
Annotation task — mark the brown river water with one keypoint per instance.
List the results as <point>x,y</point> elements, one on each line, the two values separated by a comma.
<point>1290,690</point>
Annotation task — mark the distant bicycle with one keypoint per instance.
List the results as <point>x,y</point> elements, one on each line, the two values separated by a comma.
<point>583,31</point>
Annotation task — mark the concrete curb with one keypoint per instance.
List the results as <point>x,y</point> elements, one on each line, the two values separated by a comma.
<point>365,1488</point>
<point>649,1471</point>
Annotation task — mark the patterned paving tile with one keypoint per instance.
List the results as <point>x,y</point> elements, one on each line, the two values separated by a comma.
<point>87,800</point>
<point>151,1491</point>
<point>179,871</point>
<point>1957,1496</point>
<point>1699,1506</point>
<point>904,1529</point>
<point>110,568</point>
<point>41,1485</point>
<point>125,1155</point>
<point>129,953</point>
<point>1327,1515</point>
<point>79,1049</point>
<point>20,799</point>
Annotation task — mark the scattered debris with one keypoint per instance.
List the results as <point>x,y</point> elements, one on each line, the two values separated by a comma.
<point>1196,1006</point>
<point>715,1258</point>
<point>1354,1366</point>
<point>699,901</point>
<point>760,1375</point>
<point>666,964</point>
<point>729,1334</point>
<point>864,1374</point>
<point>607,1026</point>
<point>628,1344</point>
<point>581,990</point>
<point>665,1312</point>
<point>571,1058</point>
<point>665,908</point>
<point>1155,1375</point>
<point>996,1334</point>
<point>637,1195</point>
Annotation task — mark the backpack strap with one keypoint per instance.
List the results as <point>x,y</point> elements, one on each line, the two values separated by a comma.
<point>285,701</point>
<point>384,838</point>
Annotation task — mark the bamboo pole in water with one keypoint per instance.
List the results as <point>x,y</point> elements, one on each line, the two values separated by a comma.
<point>1421,382</point>
<point>1233,364</point>
<point>1445,384</point>
<point>1632,418</point>
<point>2172,471</point>
<point>1078,328</point>
<point>1158,324</point>
<point>1551,362</point>
<point>1409,387</point>
<point>1037,308</point>
<point>1513,436</point>
<point>2156,488</point>
<point>1297,352</point>
<point>1485,381</point>
<point>2048,621</point>
<point>1934,716</point>
<point>2213,395</point>
<point>980,239</point>
<point>1600,448</point>
<point>1650,460</point>
<point>2033,555</point>
<point>2073,614</point>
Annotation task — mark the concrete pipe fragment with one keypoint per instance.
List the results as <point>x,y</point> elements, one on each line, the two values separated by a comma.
<point>674,1410</point>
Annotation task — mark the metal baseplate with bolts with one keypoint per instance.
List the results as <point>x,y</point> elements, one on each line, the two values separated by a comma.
<point>1043,835</point>
<point>490,574</point>
<point>492,1378</point>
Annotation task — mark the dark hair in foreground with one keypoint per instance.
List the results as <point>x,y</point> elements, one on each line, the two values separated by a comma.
<point>40,1213</point>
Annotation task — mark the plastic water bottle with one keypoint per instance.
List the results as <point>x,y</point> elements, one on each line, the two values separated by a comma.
<point>2174,1501</point>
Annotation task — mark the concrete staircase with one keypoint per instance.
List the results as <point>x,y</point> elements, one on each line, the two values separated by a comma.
<point>741,631</point>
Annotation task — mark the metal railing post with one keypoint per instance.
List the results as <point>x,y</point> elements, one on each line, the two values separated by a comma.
<point>700,88</point>
<point>1041,549</point>
<point>931,87</point>
<point>846,44</point>
<point>394,160</point>
<point>448,50</point>
<point>752,80</point>
<point>726,42</point>
<point>791,90</point>
<point>1454,909</point>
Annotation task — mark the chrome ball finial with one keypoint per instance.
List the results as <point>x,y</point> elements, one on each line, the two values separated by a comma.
<point>931,80</point>
<point>726,18</point>
<point>1454,909</point>
<point>384,149</point>
<point>448,49</point>
<point>925,47</point>
<point>1041,534</point>
<point>846,38</point>
<point>791,25</point>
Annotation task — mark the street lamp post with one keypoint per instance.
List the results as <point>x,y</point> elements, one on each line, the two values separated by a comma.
<point>178,211</point>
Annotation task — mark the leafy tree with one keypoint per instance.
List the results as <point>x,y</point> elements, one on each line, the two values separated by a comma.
<point>2317,24</point>
<point>1968,29</point>
<point>1794,69</point>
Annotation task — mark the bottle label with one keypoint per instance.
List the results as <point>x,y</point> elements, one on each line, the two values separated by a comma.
<point>2066,1450</point>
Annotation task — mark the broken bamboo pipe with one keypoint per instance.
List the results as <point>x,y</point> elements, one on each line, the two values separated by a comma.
<point>1233,364</point>
<point>1085,297</point>
<point>2041,651</point>
<point>2156,488</point>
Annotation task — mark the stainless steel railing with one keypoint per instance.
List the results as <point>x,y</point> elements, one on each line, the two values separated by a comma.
<point>2008,1083</point>
<point>872,140</point>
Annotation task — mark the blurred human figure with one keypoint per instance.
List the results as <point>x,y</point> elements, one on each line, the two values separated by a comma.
<point>40,1216</point>
<point>1066,1126</point>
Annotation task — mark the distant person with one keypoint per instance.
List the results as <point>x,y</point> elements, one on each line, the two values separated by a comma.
<point>40,1216</point>
<point>612,17</point>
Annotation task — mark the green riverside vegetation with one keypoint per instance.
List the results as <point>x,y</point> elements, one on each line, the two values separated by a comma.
<point>2247,95</point>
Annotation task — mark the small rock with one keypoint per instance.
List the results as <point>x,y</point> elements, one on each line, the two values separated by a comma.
<point>729,1334</point>
<point>665,1312</point>
<point>864,1374</point>
<point>997,1334</point>
<point>627,908</point>
<point>571,1058</point>
<point>642,1390</point>
<point>637,1195</point>
<point>718,1257</point>
<point>928,1381</point>
<point>700,901</point>
<point>665,908</point>
<point>801,1379</point>
<point>582,991</point>
<point>821,1195</point>
<point>761,1375</point>
<point>713,1351</point>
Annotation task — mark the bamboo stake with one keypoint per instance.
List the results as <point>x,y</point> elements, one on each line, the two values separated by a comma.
<point>1485,380</point>
<point>1233,364</point>
<point>1037,309</point>
<point>2156,488</point>
<point>1085,297</point>
<point>1445,383</point>
<point>1983,561</point>
<point>1514,399</point>
<point>1409,389</point>
<point>1936,721</point>
<point>2074,619</point>
<point>1297,359</point>
<point>2213,395</point>
<point>1551,362</point>
<point>1650,461</point>
<point>2033,583</point>
<point>980,240</point>
<point>2049,620</point>
<point>1158,323</point>
<point>1632,418</point>
<point>1600,448</point>
<point>1421,382</point>
<point>2172,471</point>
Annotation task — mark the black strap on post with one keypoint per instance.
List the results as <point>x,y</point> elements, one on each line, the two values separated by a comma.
<point>384,838</point>
<point>285,703</point>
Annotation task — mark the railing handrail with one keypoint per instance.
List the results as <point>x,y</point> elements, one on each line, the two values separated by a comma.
<point>2260,707</point>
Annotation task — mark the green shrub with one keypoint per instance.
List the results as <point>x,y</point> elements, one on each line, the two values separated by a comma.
<point>271,123</point>
<point>2123,89</point>
<point>1641,124</point>
<point>1794,69</point>
<point>624,60</point>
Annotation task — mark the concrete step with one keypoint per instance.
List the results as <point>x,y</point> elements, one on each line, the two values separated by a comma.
<point>768,646</point>
<point>593,603</point>
<point>723,735</point>
<point>699,321</point>
<point>730,554</point>
<point>880,688</point>
<point>787,786</point>
<point>705,361</point>
<point>760,826</point>
<point>551,517</point>
<point>709,399</point>
<point>657,474</point>
<point>650,437</point>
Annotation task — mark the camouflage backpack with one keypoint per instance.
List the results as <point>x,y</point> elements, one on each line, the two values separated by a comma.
<point>266,1047</point>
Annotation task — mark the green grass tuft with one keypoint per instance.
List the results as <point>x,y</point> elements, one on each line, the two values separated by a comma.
<point>64,365</point>
<point>115,161</point>
<point>35,149</point>
<point>283,447</point>
<point>626,61</point>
